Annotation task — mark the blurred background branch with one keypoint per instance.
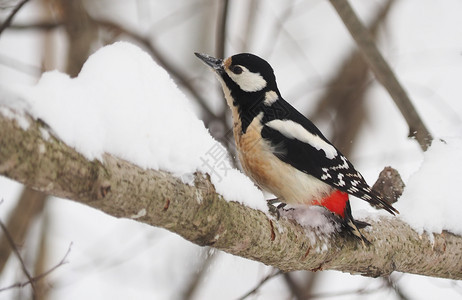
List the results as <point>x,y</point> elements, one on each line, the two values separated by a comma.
<point>383,72</point>
<point>13,13</point>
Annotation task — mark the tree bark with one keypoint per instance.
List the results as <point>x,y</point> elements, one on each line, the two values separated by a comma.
<point>198,214</point>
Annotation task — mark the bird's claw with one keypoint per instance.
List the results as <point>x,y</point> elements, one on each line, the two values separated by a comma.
<point>274,209</point>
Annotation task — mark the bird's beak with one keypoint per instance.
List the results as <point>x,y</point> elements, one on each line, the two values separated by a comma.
<point>215,63</point>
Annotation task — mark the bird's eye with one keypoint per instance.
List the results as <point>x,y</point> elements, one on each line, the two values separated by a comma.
<point>236,69</point>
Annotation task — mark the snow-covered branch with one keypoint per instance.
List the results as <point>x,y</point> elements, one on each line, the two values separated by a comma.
<point>200,215</point>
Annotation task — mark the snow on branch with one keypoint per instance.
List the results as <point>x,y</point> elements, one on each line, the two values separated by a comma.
<point>200,215</point>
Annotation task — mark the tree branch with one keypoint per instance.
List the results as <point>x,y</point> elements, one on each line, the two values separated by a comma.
<point>383,72</point>
<point>274,273</point>
<point>200,215</point>
<point>29,205</point>
<point>33,280</point>
<point>18,255</point>
<point>220,39</point>
<point>346,93</point>
<point>13,13</point>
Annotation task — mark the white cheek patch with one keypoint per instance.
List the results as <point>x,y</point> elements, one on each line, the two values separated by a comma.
<point>270,98</point>
<point>248,81</point>
<point>293,130</point>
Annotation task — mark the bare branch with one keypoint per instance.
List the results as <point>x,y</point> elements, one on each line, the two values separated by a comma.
<point>274,273</point>
<point>345,96</point>
<point>360,291</point>
<point>300,291</point>
<point>30,204</point>
<point>81,33</point>
<point>200,215</point>
<point>278,28</point>
<point>11,16</point>
<point>221,28</point>
<point>383,72</point>
<point>250,20</point>
<point>197,275</point>
<point>391,284</point>
<point>37,278</point>
<point>18,255</point>
<point>45,25</point>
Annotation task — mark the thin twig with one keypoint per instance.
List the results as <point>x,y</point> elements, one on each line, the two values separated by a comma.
<point>44,25</point>
<point>392,284</point>
<point>20,66</point>
<point>274,273</point>
<point>176,18</point>
<point>33,280</point>
<point>196,278</point>
<point>278,28</point>
<point>11,16</point>
<point>360,291</point>
<point>16,252</point>
<point>383,72</point>
<point>29,205</point>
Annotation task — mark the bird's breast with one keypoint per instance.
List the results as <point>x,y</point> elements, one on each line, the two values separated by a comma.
<point>272,174</point>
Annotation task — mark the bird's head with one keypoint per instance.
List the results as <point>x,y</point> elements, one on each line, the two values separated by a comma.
<point>249,79</point>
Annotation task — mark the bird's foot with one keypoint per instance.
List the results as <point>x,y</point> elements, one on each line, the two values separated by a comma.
<point>274,209</point>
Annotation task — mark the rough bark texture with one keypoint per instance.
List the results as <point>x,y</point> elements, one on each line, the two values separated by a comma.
<point>201,216</point>
<point>390,185</point>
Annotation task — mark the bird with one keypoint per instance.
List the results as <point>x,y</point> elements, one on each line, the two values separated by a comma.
<point>281,150</point>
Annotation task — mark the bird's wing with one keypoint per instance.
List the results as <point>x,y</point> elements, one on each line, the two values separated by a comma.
<point>298,142</point>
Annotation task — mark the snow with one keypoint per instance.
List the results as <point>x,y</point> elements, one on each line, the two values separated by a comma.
<point>314,219</point>
<point>13,108</point>
<point>140,214</point>
<point>431,201</point>
<point>125,104</point>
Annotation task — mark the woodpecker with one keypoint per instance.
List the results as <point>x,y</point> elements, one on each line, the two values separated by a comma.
<point>281,150</point>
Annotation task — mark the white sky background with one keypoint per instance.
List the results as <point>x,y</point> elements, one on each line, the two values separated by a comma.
<point>122,259</point>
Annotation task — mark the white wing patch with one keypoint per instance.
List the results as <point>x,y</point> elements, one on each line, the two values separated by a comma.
<point>293,130</point>
<point>340,180</point>
<point>344,166</point>
<point>247,81</point>
<point>270,98</point>
<point>326,174</point>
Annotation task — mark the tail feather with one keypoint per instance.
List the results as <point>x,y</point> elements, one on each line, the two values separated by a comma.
<point>378,200</point>
<point>361,224</point>
<point>352,226</point>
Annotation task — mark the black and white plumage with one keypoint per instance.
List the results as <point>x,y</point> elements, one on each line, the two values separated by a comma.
<point>280,149</point>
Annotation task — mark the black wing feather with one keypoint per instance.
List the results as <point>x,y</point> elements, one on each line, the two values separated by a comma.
<point>337,172</point>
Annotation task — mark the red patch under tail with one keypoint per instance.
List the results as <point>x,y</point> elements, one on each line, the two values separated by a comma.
<point>335,202</point>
